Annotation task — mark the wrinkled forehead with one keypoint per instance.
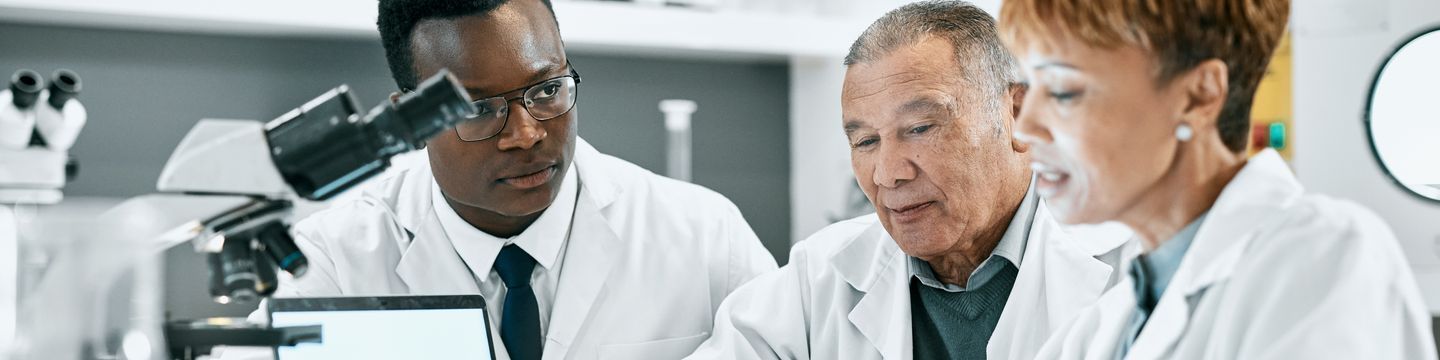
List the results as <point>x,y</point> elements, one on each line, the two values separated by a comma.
<point>892,89</point>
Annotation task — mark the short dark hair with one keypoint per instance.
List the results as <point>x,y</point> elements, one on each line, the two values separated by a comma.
<point>397,23</point>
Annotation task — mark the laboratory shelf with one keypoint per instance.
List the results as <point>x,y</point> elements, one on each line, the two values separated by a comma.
<point>587,26</point>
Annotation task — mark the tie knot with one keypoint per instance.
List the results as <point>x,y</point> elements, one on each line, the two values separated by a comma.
<point>514,266</point>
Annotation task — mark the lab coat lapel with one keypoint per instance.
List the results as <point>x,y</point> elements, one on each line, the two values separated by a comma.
<point>429,265</point>
<point>1059,276</point>
<point>1073,275</point>
<point>877,269</point>
<point>1115,308</point>
<point>1252,200</point>
<point>591,253</point>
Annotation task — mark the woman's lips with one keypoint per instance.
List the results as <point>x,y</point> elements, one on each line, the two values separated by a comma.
<point>1049,180</point>
<point>532,180</point>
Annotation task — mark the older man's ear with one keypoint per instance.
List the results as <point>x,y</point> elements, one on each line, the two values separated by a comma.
<point>1017,100</point>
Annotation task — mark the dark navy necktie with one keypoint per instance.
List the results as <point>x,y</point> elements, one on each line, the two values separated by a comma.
<point>520,320</point>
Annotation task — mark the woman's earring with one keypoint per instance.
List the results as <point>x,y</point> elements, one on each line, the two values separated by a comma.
<point>1184,132</point>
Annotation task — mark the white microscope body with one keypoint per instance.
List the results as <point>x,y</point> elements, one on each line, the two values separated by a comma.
<point>37,127</point>
<point>228,190</point>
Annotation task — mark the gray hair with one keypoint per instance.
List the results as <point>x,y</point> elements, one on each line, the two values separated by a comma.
<point>983,59</point>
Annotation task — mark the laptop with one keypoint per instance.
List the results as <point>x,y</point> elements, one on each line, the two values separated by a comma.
<point>387,327</point>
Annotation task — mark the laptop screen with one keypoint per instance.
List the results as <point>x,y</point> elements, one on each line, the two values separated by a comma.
<point>409,327</point>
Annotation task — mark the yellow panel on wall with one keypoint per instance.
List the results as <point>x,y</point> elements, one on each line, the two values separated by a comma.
<point>1271,118</point>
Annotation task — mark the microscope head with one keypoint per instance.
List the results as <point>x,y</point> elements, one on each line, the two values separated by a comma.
<point>37,128</point>
<point>59,120</point>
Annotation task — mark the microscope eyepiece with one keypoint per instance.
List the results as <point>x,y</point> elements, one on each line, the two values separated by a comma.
<point>64,85</point>
<point>436,105</point>
<point>25,88</point>
<point>328,145</point>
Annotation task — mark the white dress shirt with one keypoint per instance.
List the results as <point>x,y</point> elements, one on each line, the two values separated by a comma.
<point>545,240</point>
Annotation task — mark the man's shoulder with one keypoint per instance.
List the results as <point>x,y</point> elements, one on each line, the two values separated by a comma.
<point>1332,232</point>
<point>863,233</point>
<point>636,188</point>
<point>376,205</point>
<point>842,232</point>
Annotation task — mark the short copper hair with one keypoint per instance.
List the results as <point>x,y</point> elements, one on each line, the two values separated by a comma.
<point>1179,33</point>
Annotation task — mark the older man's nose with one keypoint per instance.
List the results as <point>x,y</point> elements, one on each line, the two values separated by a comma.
<point>893,168</point>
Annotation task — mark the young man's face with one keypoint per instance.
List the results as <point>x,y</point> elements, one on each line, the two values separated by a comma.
<point>518,171</point>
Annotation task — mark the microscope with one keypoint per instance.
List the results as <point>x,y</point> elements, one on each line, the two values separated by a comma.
<point>249,174</point>
<point>254,171</point>
<point>229,191</point>
<point>38,124</point>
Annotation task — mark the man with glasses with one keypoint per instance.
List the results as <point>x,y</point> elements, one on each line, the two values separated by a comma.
<point>578,254</point>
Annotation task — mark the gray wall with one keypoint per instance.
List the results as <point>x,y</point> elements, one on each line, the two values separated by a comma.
<point>145,90</point>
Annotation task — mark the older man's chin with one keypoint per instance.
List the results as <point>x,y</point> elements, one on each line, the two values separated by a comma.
<point>922,246</point>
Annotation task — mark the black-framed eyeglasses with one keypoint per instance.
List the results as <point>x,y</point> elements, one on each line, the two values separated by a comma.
<point>544,100</point>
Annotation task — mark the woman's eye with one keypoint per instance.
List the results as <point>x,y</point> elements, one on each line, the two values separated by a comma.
<point>1064,96</point>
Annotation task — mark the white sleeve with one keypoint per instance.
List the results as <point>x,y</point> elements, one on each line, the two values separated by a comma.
<point>748,256</point>
<point>763,319</point>
<point>1338,291</point>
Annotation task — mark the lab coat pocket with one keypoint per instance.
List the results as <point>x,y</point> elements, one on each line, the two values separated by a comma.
<point>663,349</point>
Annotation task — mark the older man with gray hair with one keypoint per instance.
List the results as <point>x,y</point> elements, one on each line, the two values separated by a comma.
<point>961,259</point>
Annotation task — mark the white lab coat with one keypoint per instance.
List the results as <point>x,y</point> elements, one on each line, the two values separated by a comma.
<point>1273,273</point>
<point>648,262</point>
<point>845,295</point>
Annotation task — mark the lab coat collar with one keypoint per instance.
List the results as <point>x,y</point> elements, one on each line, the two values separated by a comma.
<point>1263,188</point>
<point>863,263</point>
<point>1061,277</point>
<point>595,247</point>
<point>1068,274</point>
<point>873,264</point>
<point>603,187</point>
<point>543,240</point>
<point>868,257</point>
<point>430,251</point>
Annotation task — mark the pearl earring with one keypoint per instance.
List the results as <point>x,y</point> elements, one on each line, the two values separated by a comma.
<point>1184,132</point>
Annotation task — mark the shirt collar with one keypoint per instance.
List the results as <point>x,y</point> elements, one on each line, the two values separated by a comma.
<point>1152,271</point>
<point>1010,249</point>
<point>1017,235</point>
<point>543,240</point>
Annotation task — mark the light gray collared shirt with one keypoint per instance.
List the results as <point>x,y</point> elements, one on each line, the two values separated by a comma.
<point>1151,273</point>
<point>1011,248</point>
